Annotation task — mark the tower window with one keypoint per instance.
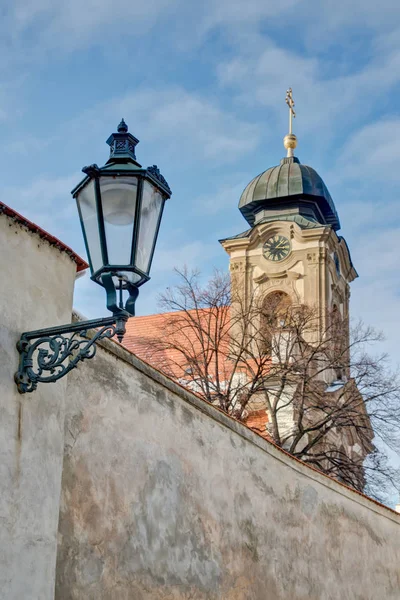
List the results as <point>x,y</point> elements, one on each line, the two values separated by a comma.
<point>275,315</point>
<point>337,263</point>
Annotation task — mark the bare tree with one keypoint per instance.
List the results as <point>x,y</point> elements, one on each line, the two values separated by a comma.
<point>325,397</point>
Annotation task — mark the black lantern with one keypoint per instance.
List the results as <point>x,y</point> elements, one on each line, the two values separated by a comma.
<point>120,207</point>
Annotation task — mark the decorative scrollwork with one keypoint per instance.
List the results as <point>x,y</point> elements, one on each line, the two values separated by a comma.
<point>52,353</point>
<point>155,171</point>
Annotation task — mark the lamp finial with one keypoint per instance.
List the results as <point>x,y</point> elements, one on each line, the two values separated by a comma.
<point>122,127</point>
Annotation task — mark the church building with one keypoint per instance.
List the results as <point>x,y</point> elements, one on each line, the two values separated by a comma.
<point>292,252</point>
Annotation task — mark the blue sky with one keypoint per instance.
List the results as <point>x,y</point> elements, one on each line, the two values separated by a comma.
<point>202,85</point>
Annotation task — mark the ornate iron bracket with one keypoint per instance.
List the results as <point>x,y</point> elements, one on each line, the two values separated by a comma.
<point>46,355</point>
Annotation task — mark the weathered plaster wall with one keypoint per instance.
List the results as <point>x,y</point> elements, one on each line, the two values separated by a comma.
<point>36,291</point>
<point>165,498</point>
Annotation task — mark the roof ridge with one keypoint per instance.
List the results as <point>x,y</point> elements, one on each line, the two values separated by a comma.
<point>173,312</point>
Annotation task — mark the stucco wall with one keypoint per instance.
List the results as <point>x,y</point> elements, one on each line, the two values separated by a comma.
<point>36,291</point>
<point>165,498</point>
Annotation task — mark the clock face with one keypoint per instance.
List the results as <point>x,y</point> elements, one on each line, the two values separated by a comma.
<point>276,248</point>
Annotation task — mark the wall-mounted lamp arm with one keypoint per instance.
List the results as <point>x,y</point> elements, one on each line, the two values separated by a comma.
<point>46,355</point>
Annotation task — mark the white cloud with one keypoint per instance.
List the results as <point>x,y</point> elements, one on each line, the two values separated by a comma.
<point>192,254</point>
<point>187,127</point>
<point>238,13</point>
<point>224,198</point>
<point>372,153</point>
<point>327,101</point>
<point>336,14</point>
<point>32,29</point>
<point>72,25</point>
<point>368,211</point>
<point>29,31</point>
<point>191,122</point>
<point>46,201</point>
<point>379,260</point>
<point>373,240</point>
<point>376,302</point>
<point>10,92</point>
<point>196,254</point>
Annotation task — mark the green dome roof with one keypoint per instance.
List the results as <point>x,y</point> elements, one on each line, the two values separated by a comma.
<point>286,185</point>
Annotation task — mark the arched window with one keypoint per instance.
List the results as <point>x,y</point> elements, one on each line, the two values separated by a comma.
<point>276,308</point>
<point>275,315</point>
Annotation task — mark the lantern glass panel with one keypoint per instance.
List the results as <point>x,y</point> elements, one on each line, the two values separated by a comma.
<point>118,198</point>
<point>152,203</point>
<point>86,201</point>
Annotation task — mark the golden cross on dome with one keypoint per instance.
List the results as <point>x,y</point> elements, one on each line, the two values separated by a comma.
<point>290,103</point>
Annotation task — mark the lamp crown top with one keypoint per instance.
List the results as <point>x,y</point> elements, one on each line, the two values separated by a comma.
<point>122,127</point>
<point>122,144</point>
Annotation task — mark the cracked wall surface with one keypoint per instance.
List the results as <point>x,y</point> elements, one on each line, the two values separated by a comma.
<point>166,498</point>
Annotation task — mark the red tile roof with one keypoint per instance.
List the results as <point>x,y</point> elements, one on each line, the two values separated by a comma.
<point>142,334</point>
<point>81,265</point>
<point>141,339</point>
<point>257,421</point>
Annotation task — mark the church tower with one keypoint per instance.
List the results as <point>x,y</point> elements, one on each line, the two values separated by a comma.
<point>292,245</point>
<point>292,254</point>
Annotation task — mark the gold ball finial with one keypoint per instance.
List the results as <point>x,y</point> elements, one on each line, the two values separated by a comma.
<point>290,143</point>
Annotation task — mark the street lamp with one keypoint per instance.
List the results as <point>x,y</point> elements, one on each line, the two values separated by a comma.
<point>120,207</point>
